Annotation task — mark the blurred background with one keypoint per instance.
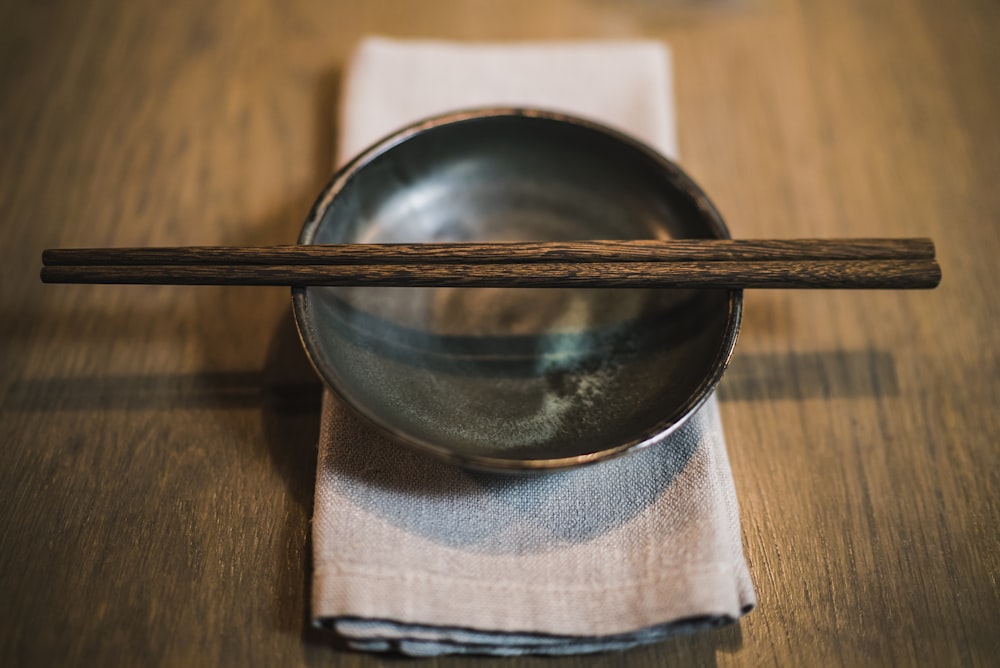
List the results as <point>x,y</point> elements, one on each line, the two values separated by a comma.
<point>158,443</point>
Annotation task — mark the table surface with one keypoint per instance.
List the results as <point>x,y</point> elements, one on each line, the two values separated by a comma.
<point>158,443</point>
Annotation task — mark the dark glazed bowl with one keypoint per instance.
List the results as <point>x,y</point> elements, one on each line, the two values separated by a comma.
<point>516,379</point>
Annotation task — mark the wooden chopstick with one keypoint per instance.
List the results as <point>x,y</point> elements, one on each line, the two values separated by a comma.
<point>702,250</point>
<point>689,263</point>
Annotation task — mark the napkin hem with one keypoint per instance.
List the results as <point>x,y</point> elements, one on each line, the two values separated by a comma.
<point>569,611</point>
<point>376,635</point>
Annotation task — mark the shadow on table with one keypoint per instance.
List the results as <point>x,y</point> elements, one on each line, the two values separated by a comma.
<point>824,374</point>
<point>289,386</point>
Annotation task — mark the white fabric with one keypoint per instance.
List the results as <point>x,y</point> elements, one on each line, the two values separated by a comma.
<point>416,556</point>
<point>389,84</point>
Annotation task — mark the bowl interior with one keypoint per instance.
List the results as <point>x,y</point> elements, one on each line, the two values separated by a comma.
<point>516,377</point>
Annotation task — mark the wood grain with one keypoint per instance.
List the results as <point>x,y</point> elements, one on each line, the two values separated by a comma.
<point>158,443</point>
<point>609,250</point>
<point>787,274</point>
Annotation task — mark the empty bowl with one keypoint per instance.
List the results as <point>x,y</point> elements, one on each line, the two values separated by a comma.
<point>515,378</point>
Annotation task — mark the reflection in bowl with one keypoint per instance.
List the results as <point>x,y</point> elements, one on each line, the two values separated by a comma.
<point>513,378</point>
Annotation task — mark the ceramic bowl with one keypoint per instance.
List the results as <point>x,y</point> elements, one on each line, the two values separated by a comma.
<point>516,379</point>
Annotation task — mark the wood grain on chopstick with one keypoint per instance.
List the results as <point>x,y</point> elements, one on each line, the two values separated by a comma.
<point>853,274</point>
<point>507,252</point>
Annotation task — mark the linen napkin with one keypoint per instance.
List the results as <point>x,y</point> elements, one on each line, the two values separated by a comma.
<point>413,555</point>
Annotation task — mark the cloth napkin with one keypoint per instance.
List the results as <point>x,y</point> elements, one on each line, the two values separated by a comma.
<point>413,555</point>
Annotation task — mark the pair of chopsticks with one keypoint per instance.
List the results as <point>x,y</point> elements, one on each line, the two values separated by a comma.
<point>684,263</point>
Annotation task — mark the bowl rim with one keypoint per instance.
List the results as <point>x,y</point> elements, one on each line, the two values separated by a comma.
<point>672,171</point>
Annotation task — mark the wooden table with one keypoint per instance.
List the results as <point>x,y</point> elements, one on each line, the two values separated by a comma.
<point>158,443</point>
